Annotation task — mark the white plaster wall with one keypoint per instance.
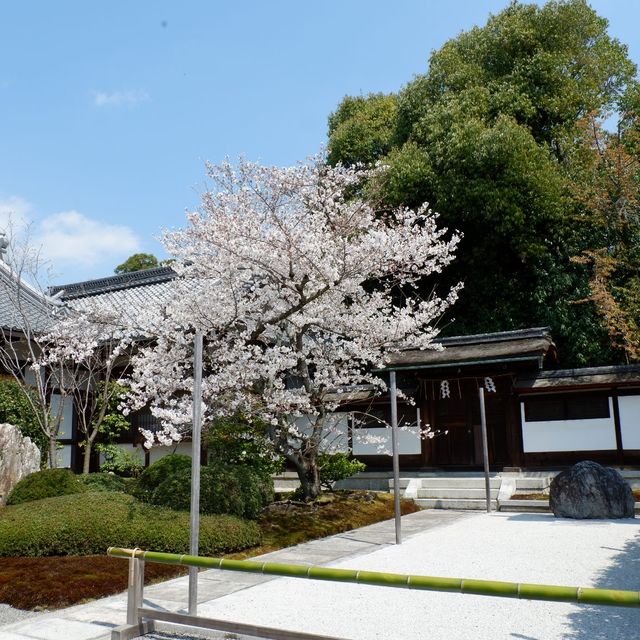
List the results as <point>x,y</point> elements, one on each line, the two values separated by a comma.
<point>335,437</point>
<point>593,434</point>
<point>377,441</point>
<point>155,453</point>
<point>630,421</point>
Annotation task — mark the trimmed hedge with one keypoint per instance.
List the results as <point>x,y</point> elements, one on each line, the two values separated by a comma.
<point>47,483</point>
<point>158,472</point>
<point>89,523</point>
<point>229,489</point>
<point>102,482</point>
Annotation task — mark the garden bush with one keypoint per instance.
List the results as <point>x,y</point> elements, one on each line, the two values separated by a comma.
<point>228,489</point>
<point>89,523</point>
<point>156,473</point>
<point>337,466</point>
<point>102,482</point>
<point>45,484</point>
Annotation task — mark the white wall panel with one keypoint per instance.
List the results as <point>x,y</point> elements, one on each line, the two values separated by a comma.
<point>377,441</point>
<point>155,453</point>
<point>66,424</point>
<point>630,421</point>
<point>593,434</point>
<point>336,435</point>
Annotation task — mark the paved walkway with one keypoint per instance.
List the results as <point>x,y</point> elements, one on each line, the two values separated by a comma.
<point>93,621</point>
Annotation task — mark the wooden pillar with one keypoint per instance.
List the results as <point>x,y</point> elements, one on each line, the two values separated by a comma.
<point>618,427</point>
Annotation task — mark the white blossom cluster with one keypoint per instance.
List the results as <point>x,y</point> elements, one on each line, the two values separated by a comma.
<point>300,287</point>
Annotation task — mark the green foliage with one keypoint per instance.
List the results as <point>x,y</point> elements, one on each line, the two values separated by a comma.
<point>16,409</point>
<point>234,441</point>
<point>362,129</point>
<point>120,461</point>
<point>102,482</point>
<point>89,523</point>
<point>113,423</point>
<point>486,137</point>
<point>236,490</point>
<point>45,484</point>
<point>137,262</point>
<point>337,466</point>
<point>156,473</point>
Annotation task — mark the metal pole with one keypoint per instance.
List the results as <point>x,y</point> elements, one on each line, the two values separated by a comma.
<point>195,470</point>
<point>396,459</point>
<point>485,449</point>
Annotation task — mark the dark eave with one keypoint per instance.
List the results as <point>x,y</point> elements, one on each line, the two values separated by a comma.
<point>587,378</point>
<point>505,347</point>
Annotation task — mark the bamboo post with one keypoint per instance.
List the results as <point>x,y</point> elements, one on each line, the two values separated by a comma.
<point>606,597</point>
<point>396,457</point>
<point>195,470</point>
<point>485,449</point>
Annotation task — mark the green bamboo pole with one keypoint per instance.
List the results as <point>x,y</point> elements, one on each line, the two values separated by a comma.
<point>607,597</point>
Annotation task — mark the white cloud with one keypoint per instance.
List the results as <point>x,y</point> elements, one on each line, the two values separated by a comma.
<point>14,214</point>
<point>128,98</point>
<point>72,238</point>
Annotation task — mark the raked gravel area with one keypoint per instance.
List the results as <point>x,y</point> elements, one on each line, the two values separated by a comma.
<point>513,547</point>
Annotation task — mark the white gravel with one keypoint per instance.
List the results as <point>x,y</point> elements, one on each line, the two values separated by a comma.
<point>9,614</point>
<point>515,547</point>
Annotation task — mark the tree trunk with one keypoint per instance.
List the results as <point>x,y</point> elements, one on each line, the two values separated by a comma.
<point>53,452</point>
<point>86,461</point>
<point>309,475</point>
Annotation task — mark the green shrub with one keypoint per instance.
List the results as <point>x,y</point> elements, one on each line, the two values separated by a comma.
<point>234,490</point>
<point>45,484</point>
<point>89,523</point>
<point>337,466</point>
<point>102,482</point>
<point>120,461</point>
<point>156,473</point>
<point>18,410</point>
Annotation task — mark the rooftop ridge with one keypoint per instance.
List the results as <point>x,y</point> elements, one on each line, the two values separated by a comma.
<point>584,371</point>
<point>113,283</point>
<point>498,336</point>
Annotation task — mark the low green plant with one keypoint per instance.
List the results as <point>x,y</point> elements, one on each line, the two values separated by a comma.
<point>228,489</point>
<point>156,473</point>
<point>337,466</point>
<point>120,461</point>
<point>45,484</point>
<point>102,482</point>
<point>89,523</point>
<point>17,409</point>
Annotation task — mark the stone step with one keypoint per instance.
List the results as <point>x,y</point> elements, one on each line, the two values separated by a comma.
<point>459,504</point>
<point>532,485</point>
<point>524,505</point>
<point>463,483</point>
<point>455,493</point>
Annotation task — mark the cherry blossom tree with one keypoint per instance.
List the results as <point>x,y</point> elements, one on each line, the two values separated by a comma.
<point>300,287</point>
<point>92,347</point>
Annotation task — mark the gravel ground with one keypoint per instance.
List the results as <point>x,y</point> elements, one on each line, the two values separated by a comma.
<point>533,548</point>
<point>8,614</point>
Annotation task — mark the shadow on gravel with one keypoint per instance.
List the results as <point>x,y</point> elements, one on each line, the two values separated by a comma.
<point>611,623</point>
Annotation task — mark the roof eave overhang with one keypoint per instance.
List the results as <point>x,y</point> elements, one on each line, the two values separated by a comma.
<point>538,359</point>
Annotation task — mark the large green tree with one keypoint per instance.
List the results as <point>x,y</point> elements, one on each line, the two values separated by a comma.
<point>487,135</point>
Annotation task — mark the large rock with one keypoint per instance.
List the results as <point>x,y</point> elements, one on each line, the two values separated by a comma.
<point>589,490</point>
<point>18,458</point>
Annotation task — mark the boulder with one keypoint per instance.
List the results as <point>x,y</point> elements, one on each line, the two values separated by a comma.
<point>589,490</point>
<point>18,458</point>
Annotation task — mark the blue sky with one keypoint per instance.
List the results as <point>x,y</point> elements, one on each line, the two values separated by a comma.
<point>108,110</point>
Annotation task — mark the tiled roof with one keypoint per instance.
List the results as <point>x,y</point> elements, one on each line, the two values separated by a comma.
<point>22,307</point>
<point>128,294</point>
<point>114,283</point>
<point>525,344</point>
<point>621,375</point>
